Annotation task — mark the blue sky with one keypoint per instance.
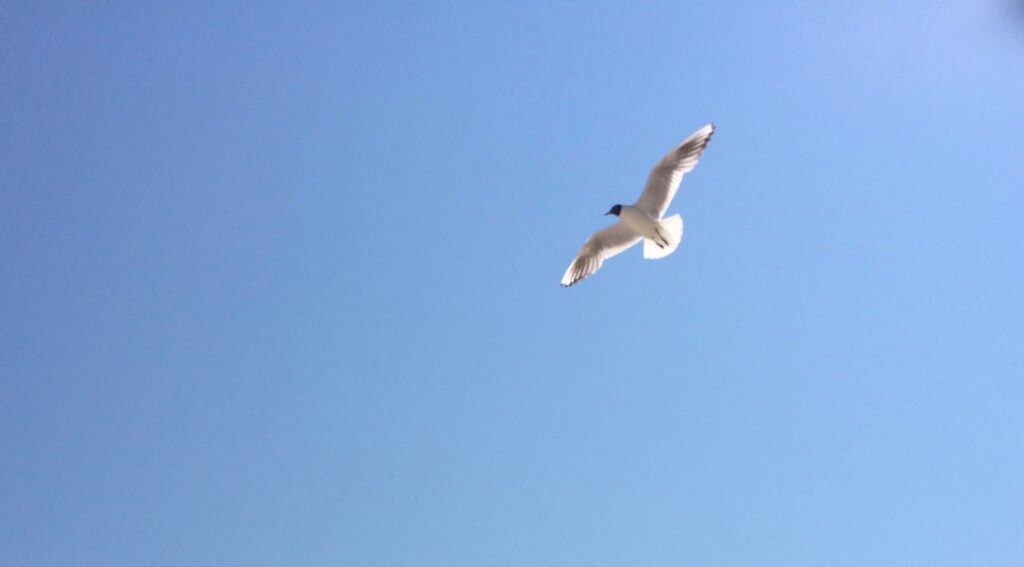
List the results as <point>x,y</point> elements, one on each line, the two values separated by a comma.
<point>279,285</point>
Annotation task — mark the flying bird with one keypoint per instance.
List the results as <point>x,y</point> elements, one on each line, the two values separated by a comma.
<point>643,220</point>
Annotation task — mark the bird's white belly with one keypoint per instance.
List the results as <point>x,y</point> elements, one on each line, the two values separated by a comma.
<point>640,222</point>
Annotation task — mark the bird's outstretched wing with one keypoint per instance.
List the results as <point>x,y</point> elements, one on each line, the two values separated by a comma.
<point>601,245</point>
<point>668,173</point>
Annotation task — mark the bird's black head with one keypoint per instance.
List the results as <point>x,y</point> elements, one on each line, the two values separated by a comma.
<point>615,210</point>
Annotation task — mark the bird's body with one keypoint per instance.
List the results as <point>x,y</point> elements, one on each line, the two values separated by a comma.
<point>642,223</point>
<point>644,220</point>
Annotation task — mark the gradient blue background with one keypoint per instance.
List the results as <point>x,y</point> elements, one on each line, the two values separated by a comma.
<point>279,285</point>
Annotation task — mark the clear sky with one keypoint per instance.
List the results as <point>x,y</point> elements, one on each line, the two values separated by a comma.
<point>279,285</point>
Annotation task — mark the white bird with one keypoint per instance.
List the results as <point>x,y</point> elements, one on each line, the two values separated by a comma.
<point>642,220</point>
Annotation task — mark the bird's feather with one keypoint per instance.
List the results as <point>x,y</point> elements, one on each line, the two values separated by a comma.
<point>601,245</point>
<point>664,180</point>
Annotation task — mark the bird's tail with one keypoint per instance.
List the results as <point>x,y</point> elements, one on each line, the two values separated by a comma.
<point>671,231</point>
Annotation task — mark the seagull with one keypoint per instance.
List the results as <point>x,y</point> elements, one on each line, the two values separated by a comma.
<point>643,220</point>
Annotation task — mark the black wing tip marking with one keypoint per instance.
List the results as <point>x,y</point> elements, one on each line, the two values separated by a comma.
<point>575,281</point>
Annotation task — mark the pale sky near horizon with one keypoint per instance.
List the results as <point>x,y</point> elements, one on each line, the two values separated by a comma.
<point>279,285</point>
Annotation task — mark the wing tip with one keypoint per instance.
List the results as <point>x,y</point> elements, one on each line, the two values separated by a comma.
<point>705,134</point>
<point>569,280</point>
<point>699,139</point>
<point>574,275</point>
<point>710,127</point>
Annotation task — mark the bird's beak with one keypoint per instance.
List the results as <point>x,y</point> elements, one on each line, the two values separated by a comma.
<point>608,213</point>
